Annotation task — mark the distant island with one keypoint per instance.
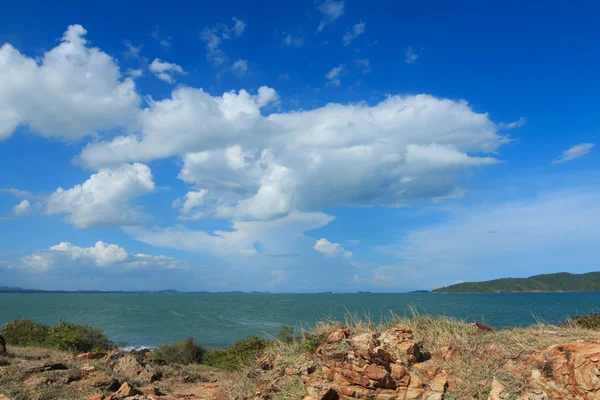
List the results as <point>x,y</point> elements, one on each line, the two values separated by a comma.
<point>559,282</point>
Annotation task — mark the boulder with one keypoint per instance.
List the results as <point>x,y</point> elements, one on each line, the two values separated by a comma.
<point>338,335</point>
<point>129,367</point>
<point>569,370</point>
<point>126,390</point>
<point>399,343</point>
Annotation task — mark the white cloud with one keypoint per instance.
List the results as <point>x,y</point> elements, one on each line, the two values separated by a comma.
<point>239,27</point>
<point>574,152</point>
<point>104,199</point>
<point>165,41</point>
<point>291,41</point>
<point>365,64</point>
<point>132,51</point>
<point>192,201</point>
<point>333,76</point>
<point>190,121</point>
<point>329,249</point>
<point>23,208</point>
<point>355,31</point>
<point>331,11</point>
<point>515,124</point>
<point>240,67</point>
<point>134,73</point>
<point>410,56</point>
<point>275,237</point>
<point>101,255</point>
<point>165,70</point>
<point>402,151</point>
<point>213,37</point>
<point>72,91</point>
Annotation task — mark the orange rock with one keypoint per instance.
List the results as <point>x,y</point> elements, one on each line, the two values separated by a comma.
<point>364,344</point>
<point>497,389</point>
<point>127,390</point>
<point>338,335</point>
<point>89,356</point>
<point>95,397</point>
<point>399,374</point>
<point>449,353</point>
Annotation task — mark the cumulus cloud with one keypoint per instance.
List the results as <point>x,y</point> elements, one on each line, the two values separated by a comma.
<point>213,37</point>
<point>365,65</point>
<point>280,236</point>
<point>333,76</point>
<point>240,67</point>
<point>164,41</point>
<point>189,204</point>
<point>72,91</point>
<point>355,31</point>
<point>411,56</point>
<point>329,249</point>
<point>23,208</point>
<point>190,121</point>
<point>404,150</point>
<point>331,11</point>
<point>104,199</point>
<point>290,41</point>
<point>165,70</point>
<point>574,152</point>
<point>101,255</point>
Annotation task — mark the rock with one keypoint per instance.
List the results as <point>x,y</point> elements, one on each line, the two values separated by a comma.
<point>364,344</point>
<point>338,335</point>
<point>3,397</point>
<point>47,367</point>
<point>104,382</point>
<point>449,353</point>
<point>569,370</point>
<point>89,356</point>
<point>127,390</point>
<point>497,389</point>
<point>2,345</point>
<point>400,345</point>
<point>95,397</point>
<point>151,390</point>
<point>130,368</point>
<point>87,368</point>
<point>38,381</point>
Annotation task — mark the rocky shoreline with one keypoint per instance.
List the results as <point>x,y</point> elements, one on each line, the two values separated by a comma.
<point>423,358</point>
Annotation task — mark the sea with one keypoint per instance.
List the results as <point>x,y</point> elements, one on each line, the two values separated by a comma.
<point>217,320</point>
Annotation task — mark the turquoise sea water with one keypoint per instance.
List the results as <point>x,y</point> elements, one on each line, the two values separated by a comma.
<point>218,320</point>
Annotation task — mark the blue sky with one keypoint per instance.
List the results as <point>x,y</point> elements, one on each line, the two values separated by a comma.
<point>297,146</point>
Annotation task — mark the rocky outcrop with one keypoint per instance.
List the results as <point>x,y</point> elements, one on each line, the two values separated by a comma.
<point>393,365</point>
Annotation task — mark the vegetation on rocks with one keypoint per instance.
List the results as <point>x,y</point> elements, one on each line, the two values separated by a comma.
<point>63,336</point>
<point>435,358</point>
<point>586,321</point>
<point>185,352</point>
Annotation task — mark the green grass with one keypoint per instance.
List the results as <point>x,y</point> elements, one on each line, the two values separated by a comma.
<point>63,336</point>
<point>239,354</point>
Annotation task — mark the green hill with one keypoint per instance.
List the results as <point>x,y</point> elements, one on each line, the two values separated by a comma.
<point>559,282</point>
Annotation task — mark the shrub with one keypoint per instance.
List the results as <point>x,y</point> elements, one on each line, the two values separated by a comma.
<point>63,336</point>
<point>185,352</point>
<point>77,338</point>
<point>286,334</point>
<point>311,342</point>
<point>23,332</point>
<point>586,321</point>
<point>240,353</point>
